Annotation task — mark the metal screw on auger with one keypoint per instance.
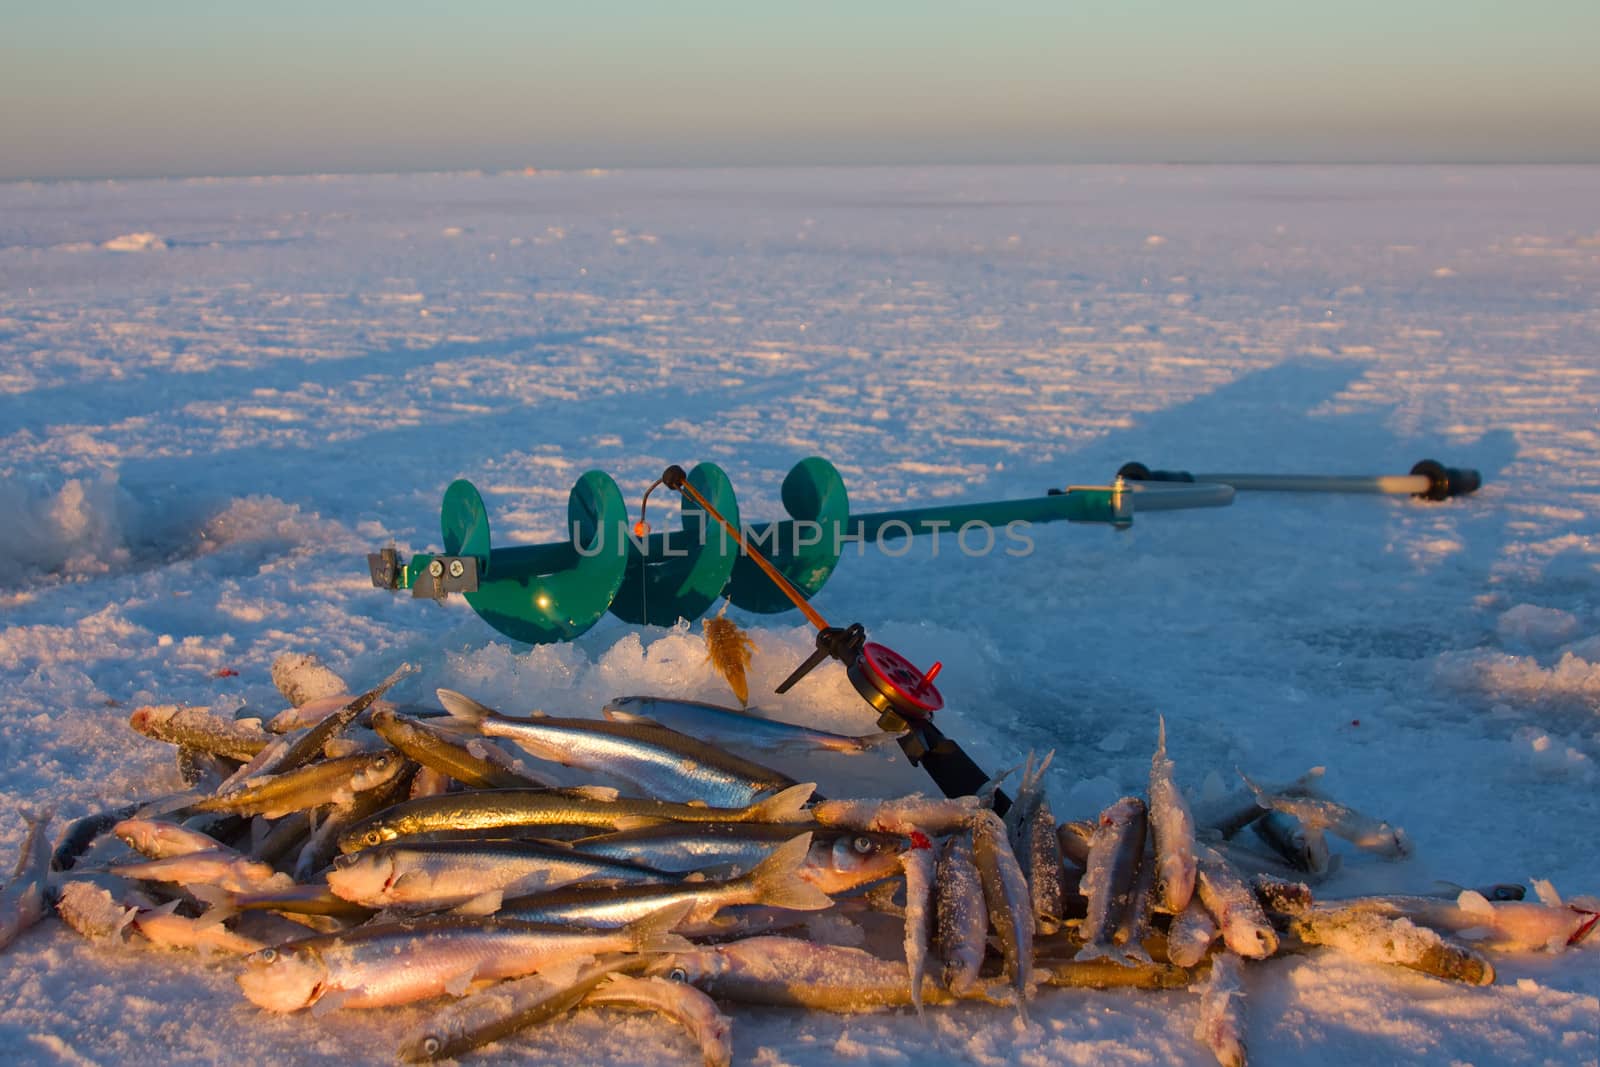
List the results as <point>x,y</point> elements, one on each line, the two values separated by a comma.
<point>436,568</point>
<point>457,568</point>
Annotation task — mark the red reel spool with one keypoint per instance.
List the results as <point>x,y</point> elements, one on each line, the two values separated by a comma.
<point>891,683</point>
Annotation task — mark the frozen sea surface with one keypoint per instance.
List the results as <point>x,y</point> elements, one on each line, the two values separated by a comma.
<point>215,396</point>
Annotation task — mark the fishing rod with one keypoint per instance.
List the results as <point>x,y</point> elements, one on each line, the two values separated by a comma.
<point>904,697</point>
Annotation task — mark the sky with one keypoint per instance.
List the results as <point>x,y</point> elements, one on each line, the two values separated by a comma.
<point>110,89</point>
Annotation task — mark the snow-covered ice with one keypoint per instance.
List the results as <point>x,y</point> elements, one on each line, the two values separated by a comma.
<point>198,446</point>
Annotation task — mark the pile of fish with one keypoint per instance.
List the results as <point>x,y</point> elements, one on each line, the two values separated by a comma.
<point>356,854</point>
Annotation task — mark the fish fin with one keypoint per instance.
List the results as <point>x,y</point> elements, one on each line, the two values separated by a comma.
<point>1097,951</point>
<point>866,742</point>
<point>653,933</point>
<point>330,1002</point>
<point>788,805</point>
<point>564,973</point>
<point>218,901</point>
<point>461,984</point>
<point>1449,887</point>
<point>462,707</point>
<point>1545,892</point>
<point>775,881</point>
<point>482,904</point>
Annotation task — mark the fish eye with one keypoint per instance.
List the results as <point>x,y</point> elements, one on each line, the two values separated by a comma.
<point>431,1045</point>
<point>267,955</point>
<point>373,837</point>
<point>862,845</point>
<point>677,974</point>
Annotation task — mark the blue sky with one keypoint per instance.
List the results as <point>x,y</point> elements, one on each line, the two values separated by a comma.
<point>122,89</point>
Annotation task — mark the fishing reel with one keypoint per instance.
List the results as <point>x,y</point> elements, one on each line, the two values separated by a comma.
<point>904,697</point>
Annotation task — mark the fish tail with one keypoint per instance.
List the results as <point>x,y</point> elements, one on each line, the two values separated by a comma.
<point>1096,950</point>
<point>786,806</point>
<point>653,933</point>
<point>775,881</point>
<point>1161,736</point>
<point>462,707</point>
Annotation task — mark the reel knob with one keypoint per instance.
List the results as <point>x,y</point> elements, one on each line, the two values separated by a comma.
<point>894,686</point>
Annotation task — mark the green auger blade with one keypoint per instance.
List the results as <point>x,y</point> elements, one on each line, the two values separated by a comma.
<point>681,574</point>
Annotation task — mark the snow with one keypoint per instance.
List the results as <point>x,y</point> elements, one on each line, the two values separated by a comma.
<point>197,447</point>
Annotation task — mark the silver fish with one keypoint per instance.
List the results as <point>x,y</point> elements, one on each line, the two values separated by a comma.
<point>1375,938</point>
<point>1111,875</point>
<point>787,972</point>
<point>438,749</point>
<point>399,963</point>
<point>503,1010</point>
<point>774,882</point>
<point>1172,827</point>
<point>1190,936</point>
<point>731,726</point>
<point>445,874</point>
<point>920,866</point>
<point>1030,827</point>
<point>1301,847</point>
<point>838,860</point>
<point>961,922</point>
<point>901,815</point>
<point>662,763</point>
<point>697,1012</point>
<point>197,727</point>
<point>332,781</point>
<point>1244,925</point>
<point>159,839</point>
<point>1221,1026</point>
<point>22,901</point>
<point>1228,813</point>
<point>1362,831</point>
<point>222,867</point>
<point>1008,899</point>
<point>502,809</point>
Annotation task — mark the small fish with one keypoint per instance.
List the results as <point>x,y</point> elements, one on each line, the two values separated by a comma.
<point>698,1013</point>
<point>438,749</point>
<point>1030,827</point>
<point>728,649</point>
<point>1190,936</point>
<point>1009,901</point>
<point>1301,847</point>
<point>22,901</point>
<point>728,726</point>
<point>503,1010</point>
<point>1221,1027</point>
<point>502,809</point>
<point>198,728</point>
<point>332,781</point>
<point>961,922</point>
<point>81,834</point>
<point>1075,839</point>
<point>445,874</point>
<point>920,866</point>
<point>1111,875</point>
<point>792,973</point>
<point>1135,928</point>
<point>222,867</point>
<point>1172,827</point>
<point>159,839</point>
<point>1362,831</point>
<point>839,860</point>
<point>1511,925</point>
<point>1376,938</point>
<point>774,883</point>
<point>902,815</point>
<point>662,763</point>
<point>1228,898</point>
<point>1225,814</point>
<point>398,963</point>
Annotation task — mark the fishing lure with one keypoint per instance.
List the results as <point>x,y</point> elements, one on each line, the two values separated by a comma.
<point>728,648</point>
